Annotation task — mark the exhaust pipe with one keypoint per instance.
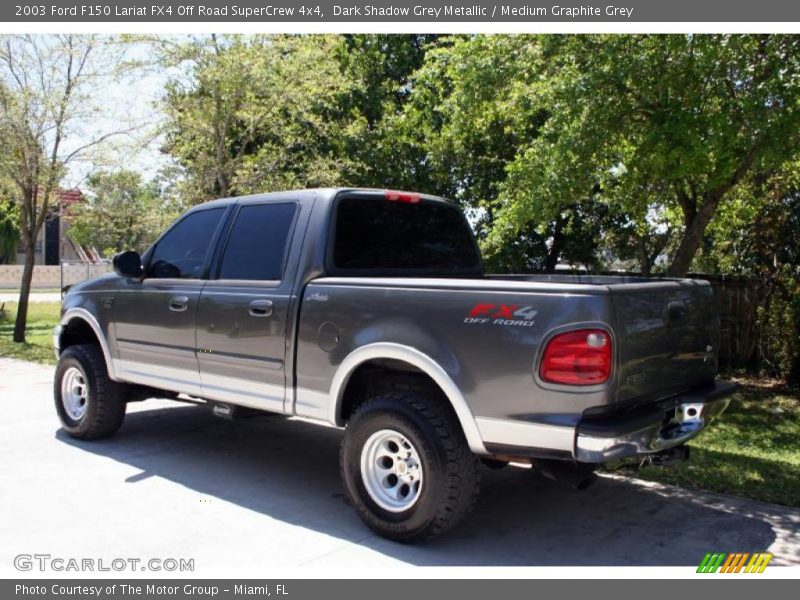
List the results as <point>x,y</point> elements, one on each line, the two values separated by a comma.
<point>669,457</point>
<point>570,474</point>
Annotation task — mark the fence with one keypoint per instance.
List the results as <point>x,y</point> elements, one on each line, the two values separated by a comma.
<point>738,300</point>
<point>51,276</point>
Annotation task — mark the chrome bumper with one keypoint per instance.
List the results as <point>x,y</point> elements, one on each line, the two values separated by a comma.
<point>653,428</point>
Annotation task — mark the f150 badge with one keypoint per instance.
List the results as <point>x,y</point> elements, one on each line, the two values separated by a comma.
<point>510,315</point>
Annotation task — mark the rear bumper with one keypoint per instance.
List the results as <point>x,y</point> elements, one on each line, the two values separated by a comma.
<point>653,427</point>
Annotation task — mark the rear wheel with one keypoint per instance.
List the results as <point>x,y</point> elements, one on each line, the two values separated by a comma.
<point>89,404</point>
<point>407,468</point>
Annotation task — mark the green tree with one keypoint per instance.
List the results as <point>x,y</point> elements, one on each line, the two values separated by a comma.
<point>9,225</point>
<point>9,230</point>
<point>378,71</point>
<point>587,149</point>
<point>469,115</point>
<point>659,123</point>
<point>48,85</point>
<point>121,213</point>
<point>257,114</point>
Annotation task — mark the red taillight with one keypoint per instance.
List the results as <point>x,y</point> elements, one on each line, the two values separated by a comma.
<point>581,357</point>
<point>408,197</point>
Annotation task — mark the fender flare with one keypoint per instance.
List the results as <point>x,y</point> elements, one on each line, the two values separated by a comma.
<point>421,361</point>
<point>89,319</point>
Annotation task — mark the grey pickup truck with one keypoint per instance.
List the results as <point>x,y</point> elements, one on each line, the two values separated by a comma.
<point>370,310</point>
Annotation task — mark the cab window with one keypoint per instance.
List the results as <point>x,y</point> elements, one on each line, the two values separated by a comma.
<point>256,248</point>
<point>181,252</point>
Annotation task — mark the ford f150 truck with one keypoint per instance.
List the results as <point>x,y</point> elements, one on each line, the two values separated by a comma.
<point>370,310</point>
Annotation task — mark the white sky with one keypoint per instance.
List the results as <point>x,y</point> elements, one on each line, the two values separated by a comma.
<point>133,102</point>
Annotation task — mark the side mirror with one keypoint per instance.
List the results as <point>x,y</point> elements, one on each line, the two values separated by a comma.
<point>128,264</point>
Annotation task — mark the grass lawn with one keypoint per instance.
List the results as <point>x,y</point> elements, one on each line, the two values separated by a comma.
<point>42,317</point>
<point>753,450</point>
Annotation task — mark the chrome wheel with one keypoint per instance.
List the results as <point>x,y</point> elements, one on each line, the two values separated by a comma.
<point>74,393</point>
<point>391,470</point>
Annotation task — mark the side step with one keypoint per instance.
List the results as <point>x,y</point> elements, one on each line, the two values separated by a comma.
<point>223,410</point>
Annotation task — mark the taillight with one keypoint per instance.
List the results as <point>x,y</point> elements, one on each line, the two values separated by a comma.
<point>581,357</point>
<point>408,197</point>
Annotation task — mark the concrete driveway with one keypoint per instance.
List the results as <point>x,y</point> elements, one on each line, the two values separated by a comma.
<point>265,491</point>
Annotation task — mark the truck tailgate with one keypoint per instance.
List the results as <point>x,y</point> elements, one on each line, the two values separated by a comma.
<point>668,334</point>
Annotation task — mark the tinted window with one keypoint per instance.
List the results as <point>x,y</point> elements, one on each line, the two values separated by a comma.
<point>376,234</point>
<point>182,251</point>
<point>257,242</point>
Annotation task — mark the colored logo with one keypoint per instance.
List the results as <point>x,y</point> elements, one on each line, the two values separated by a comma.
<point>502,314</point>
<point>736,562</point>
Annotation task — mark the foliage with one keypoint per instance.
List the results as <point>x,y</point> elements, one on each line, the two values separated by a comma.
<point>779,328</point>
<point>9,226</point>
<point>275,112</point>
<point>256,114</point>
<point>467,117</point>
<point>588,149</point>
<point>755,236</point>
<point>378,71</point>
<point>121,213</point>
<point>657,122</point>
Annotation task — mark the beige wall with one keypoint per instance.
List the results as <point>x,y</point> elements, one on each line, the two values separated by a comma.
<point>50,276</point>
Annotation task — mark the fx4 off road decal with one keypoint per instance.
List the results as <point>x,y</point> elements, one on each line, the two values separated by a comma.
<point>509,315</point>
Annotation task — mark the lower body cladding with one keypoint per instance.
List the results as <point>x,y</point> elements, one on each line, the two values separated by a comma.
<point>639,430</point>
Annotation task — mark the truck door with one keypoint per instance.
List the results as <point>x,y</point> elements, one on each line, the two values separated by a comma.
<point>244,308</point>
<point>154,318</point>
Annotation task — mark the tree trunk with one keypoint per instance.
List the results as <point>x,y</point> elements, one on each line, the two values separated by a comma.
<point>24,293</point>
<point>222,179</point>
<point>644,256</point>
<point>555,250</point>
<point>693,235</point>
<point>697,219</point>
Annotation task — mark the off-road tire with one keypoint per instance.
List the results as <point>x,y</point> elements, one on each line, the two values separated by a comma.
<point>106,399</point>
<point>450,471</point>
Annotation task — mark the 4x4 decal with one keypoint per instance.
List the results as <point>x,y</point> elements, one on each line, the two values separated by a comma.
<point>514,315</point>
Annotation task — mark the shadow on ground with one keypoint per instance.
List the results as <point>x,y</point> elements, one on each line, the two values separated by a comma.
<point>287,470</point>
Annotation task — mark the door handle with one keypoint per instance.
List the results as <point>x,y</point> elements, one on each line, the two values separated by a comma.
<point>676,310</point>
<point>261,308</point>
<point>178,303</point>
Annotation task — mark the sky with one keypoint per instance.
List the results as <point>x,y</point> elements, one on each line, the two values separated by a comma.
<point>130,103</point>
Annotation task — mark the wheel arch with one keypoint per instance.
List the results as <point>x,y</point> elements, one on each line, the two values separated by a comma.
<point>75,325</point>
<point>420,362</point>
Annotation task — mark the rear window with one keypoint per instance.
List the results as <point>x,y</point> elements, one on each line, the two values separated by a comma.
<point>375,234</point>
<point>257,243</point>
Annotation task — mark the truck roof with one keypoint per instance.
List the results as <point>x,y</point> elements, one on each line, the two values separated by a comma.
<point>324,194</point>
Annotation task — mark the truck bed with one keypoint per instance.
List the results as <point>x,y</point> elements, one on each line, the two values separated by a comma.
<point>661,329</point>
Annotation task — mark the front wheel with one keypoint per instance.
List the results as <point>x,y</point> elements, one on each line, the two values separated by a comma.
<point>407,467</point>
<point>89,404</point>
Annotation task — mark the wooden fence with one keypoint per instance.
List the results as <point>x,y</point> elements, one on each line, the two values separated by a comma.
<point>738,300</point>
